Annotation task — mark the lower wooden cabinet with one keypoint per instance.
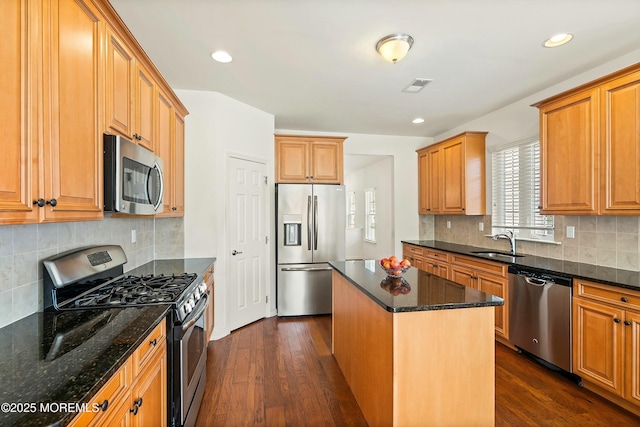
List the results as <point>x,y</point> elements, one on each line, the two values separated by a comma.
<point>137,394</point>
<point>606,341</point>
<point>486,276</point>
<point>208,280</point>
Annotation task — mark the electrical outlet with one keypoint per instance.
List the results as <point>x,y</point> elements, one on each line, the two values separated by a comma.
<point>133,236</point>
<point>481,226</point>
<point>448,224</point>
<point>571,232</point>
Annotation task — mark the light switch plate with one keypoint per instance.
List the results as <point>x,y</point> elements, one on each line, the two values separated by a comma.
<point>133,236</point>
<point>448,224</point>
<point>481,226</point>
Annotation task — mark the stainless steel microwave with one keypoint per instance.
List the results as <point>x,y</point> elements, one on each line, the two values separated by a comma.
<point>132,178</point>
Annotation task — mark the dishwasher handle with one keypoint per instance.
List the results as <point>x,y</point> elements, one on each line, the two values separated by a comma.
<point>537,282</point>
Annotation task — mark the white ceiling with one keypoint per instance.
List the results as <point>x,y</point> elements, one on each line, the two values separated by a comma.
<point>313,64</point>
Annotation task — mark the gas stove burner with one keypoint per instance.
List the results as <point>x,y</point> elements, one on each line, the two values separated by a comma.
<point>136,290</point>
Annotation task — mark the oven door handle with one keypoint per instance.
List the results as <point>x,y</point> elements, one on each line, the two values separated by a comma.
<point>197,314</point>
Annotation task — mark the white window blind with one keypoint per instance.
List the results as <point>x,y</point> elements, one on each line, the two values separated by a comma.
<point>351,209</point>
<point>516,192</point>
<point>370,215</point>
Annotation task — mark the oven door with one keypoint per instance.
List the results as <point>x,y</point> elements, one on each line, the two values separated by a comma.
<point>193,359</point>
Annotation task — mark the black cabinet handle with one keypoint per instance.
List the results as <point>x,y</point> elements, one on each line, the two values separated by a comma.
<point>52,202</point>
<point>627,323</point>
<point>153,342</point>
<point>616,320</point>
<point>138,402</point>
<point>104,405</point>
<point>624,299</point>
<point>39,202</point>
<point>174,208</point>
<point>134,410</point>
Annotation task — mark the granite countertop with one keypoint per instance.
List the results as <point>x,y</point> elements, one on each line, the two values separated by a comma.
<point>67,356</point>
<point>607,275</point>
<point>416,291</point>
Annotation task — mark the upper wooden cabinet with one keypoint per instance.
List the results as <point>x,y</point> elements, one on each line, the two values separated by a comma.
<point>73,72</point>
<point>590,147</point>
<point>170,147</point>
<point>309,159</point>
<point>52,155</point>
<point>451,176</point>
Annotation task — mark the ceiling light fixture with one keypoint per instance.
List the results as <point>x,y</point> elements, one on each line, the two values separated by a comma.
<point>417,120</point>
<point>394,47</point>
<point>558,40</point>
<point>221,56</point>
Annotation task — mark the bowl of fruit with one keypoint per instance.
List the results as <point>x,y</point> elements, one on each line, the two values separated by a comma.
<point>395,267</point>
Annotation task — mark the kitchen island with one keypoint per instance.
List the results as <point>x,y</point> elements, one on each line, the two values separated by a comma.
<point>415,351</point>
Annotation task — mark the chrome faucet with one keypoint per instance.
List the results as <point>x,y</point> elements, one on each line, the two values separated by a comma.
<point>509,236</point>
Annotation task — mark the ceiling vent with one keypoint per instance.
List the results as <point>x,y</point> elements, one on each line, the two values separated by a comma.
<point>417,85</point>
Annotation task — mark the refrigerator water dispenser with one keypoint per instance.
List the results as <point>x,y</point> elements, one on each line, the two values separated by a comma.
<point>292,230</point>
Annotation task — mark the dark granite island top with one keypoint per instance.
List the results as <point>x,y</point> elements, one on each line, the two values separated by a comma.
<point>416,291</point>
<point>66,357</point>
<point>414,353</point>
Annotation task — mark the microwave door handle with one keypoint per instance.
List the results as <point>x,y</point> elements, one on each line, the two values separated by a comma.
<point>157,204</point>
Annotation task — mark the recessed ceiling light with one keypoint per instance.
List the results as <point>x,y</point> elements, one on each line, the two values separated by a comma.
<point>221,56</point>
<point>417,120</point>
<point>558,40</point>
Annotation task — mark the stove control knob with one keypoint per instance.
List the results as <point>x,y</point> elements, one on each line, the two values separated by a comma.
<point>202,287</point>
<point>185,310</point>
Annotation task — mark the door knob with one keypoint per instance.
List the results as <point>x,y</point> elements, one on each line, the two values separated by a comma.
<point>234,252</point>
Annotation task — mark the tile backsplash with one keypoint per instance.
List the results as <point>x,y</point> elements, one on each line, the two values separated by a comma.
<point>608,241</point>
<point>23,247</point>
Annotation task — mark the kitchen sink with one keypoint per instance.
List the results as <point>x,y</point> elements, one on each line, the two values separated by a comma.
<point>494,254</point>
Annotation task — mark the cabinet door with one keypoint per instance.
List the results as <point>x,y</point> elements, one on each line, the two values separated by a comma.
<point>18,97</point>
<point>178,166</point>
<point>119,96</point>
<point>434,184</point>
<point>620,122</point>
<point>326,162</point>
<point>453,175</point>
<point>208,278</point>
<point>164,115</point>
<point>423,183</point>
<point>598,344</point>
<point>632,361</point>
<point>499,287</point>
<point>568,136</point>
<point>291,161</point>
<point>73,120</point>
<point>151,388</point>
<point>463,276</point>
<point>144,109</point>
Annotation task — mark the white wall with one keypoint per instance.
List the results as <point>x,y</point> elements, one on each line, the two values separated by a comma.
<point>405,173</point>
<point>218,126</point>
<point>377,175</point>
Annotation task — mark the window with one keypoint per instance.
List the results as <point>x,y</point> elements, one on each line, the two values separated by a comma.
<point>351,209</point>
<point>370,215</point>
<point>516,192</point>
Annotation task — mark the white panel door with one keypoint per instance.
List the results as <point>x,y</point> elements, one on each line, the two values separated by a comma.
<point>246,242</point>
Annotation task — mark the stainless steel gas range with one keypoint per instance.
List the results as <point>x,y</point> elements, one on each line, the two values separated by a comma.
<point>93,279</point>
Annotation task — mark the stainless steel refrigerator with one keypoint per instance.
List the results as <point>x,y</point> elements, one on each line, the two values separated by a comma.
<point>310,232</point>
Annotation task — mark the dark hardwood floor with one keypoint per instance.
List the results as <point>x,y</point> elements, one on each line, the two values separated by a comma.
<point>280,371</point>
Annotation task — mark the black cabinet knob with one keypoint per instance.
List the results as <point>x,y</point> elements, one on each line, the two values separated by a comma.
<point>626,322</point>
<point>104,405</point>
<point>134,410</point>
<point>616,320</point>
<point>138,402</point>
<point>153,342</point>
<point>39,202</point>
<point>174,208</point>
<point>624,299</point>
<point>52,202</point>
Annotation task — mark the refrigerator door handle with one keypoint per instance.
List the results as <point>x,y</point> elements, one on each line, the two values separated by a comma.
<point>315,223</point>
<point>309,222</point>
<point>306,269</point>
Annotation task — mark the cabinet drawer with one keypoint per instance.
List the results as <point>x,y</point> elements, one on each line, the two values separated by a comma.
<point>110,394</point>
<point>481,265</point>
<point>414,250</point>
<point>620,297</point>
<point>148,348</point>
<point>437,255</point>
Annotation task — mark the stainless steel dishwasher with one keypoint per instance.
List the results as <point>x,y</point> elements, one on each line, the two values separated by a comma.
<point>540,315</point>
